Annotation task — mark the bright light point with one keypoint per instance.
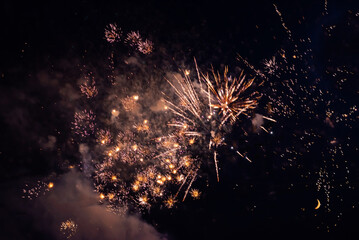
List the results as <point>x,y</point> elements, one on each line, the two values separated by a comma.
<point>135,97</point>
<point>103,141</point>
<point>175,145</point>
<point>114,178</point>
<point>145,121</point>
<point>115,112</point>
<point>117,149</point>
<point>170,201</point>
<point>111,196</point>
<point>186,72</point>
<point>191,141</point>
<point>174,171</point>
<point>109,154</point>
<point>195,193</point>
<point>232,147</point>
<point>165,107</point>
<point>143,200</point>
<point>134,147</point>
<point>271,132</point>
<point>135,187</point>
<point>102,196</point>
<point>179,178</point>
<point>141,159</point>
<point>171,166</point>
<point>50,185</point>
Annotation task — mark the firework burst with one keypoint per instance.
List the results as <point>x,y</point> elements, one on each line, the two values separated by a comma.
<point>112,33</point>
<point>203,110</point>
<point>68,228</point>
<point>230,96</point>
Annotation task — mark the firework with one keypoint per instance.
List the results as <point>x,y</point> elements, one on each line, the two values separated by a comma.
<point>195,193</point>
<point>84,123</point>
<point>130,103</point>
<point>112,33</point>
<point>271,65</point>
<point>104,137</point>
<point>202,111</point>
<point>133,38</point>
<point>145,47</point>
<point>170,201</point>
<point>68,228</point>
<point>229,95</point>
<point>36,190</point>
<point>88,87</point>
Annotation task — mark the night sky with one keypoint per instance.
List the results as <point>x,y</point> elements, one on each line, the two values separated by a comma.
<point>48,47</point>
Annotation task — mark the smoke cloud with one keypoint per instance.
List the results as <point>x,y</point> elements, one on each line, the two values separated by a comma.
<point>73,198</point>
<point>257,122</point>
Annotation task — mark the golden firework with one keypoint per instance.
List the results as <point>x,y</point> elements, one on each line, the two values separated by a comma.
<point>195,193</point>
<point>229,95</point>
<point>170,201</point>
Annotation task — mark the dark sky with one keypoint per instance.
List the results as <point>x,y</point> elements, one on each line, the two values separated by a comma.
<point>254,201</point>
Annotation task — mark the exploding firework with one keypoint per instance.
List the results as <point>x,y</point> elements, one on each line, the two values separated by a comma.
<point>230,95</point>
<point>145,47</point>
<point>68,228</point>
<point>195,193</point>
<point>201,112</point>
<point>88,87</point>
<point>84,123</point>
<point>112,33</point>
<point>133,38</point>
